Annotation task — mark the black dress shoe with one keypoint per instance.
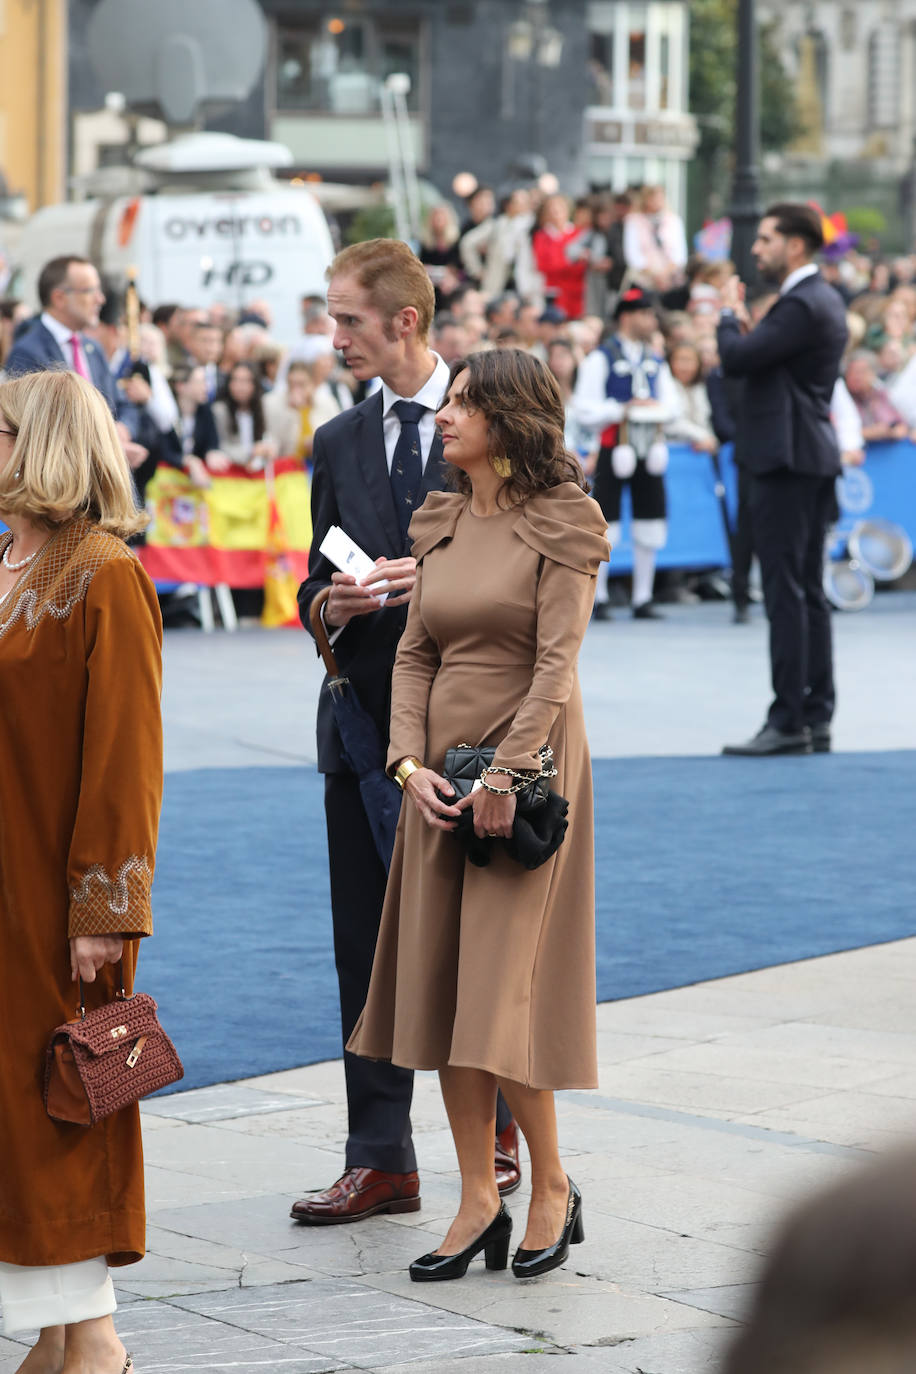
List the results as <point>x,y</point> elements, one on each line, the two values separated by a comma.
<point>771,741</point>
<point>494,1242</point>
<point>647,611</point>
<point>602,611</point>
<point>741,616</point>
<point>528,1264</point>
<point>820,737</point>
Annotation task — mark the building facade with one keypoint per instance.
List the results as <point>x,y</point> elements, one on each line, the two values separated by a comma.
<point>33,102</point>
<point>855,68</point>
<point>854,63</point>
<point>595,91</point>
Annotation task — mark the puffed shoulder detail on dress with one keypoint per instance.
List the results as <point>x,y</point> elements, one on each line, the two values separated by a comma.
<point>566,526</point>
<point>435,520</point>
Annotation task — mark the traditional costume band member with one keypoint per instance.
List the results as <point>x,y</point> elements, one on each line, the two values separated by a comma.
<point>626,391</point>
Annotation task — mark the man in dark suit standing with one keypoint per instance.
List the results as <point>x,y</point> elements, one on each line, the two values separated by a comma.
<point>71,297</point>
<point>790,362</point>
<point>373,466</point>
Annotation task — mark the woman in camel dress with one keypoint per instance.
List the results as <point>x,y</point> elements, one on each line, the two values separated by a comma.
<point>488,975</point>
<point>80,790</point>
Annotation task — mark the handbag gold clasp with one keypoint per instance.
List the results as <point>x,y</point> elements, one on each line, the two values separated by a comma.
<point>136,1052</point>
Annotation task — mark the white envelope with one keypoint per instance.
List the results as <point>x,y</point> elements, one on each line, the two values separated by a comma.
<point>348,557</point>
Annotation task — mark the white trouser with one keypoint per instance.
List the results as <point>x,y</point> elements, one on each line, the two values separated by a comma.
<point>35,1296</point>
<point>648,537</point>
<point>601,589</point>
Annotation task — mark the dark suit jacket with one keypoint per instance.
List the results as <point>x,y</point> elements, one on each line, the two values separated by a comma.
<point>351,488</point>
<point>36,350</point>
<point>790,363</point>
<point>205,438</point>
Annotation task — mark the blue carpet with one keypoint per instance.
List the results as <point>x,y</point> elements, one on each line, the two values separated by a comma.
<point>706,867</point>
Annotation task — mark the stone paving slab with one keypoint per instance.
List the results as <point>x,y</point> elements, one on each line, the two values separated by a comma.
<point>222,1102</point>
<point>575,1309</point>
<point>356,1324</point>
<point>680,1201</point>
<point>680,1352</point>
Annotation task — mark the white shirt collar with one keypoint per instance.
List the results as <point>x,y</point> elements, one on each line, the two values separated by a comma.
<point>430,393</point>
<point>800,273</point>
<point>62,335</point>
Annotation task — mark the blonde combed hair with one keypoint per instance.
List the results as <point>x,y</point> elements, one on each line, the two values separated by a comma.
<point>67,460</point>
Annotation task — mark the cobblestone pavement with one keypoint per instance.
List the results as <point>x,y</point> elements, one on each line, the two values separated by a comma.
<point>718,1103</point>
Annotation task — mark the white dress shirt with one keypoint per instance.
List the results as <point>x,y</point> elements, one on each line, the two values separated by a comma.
<point>431,394</point>
<point>62,337</point>
<point>594,409</point>
<point>902,391</point>
<point>846,420</point>
<point>800,273</point>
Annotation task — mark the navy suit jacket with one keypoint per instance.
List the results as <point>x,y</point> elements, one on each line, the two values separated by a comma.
<point>790,362</point>
<point>36,350</point>
<point>351,488</point>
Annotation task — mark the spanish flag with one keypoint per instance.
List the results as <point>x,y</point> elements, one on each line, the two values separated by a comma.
<point>236,532</point>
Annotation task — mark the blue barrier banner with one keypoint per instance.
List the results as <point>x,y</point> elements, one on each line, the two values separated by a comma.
<point>883,488</point>
<point>696,520</point>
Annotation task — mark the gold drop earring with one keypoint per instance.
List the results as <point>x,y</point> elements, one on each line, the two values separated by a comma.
<point>501,466</point>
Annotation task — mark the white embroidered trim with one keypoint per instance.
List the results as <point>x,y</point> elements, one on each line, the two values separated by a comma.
<point>116,889</point>
<point>27,605</point>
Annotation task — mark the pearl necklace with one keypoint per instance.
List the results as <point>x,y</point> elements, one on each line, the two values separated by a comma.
<point>23,563</point>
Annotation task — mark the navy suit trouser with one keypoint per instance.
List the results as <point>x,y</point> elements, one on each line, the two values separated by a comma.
<point>790,514</point>
<point>378,1093</point>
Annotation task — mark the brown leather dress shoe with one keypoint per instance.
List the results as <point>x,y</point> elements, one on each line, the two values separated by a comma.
<point>359,1193</point>
<point>508,1169</point>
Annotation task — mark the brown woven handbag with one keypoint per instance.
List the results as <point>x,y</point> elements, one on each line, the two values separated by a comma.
<point>107,1059</point>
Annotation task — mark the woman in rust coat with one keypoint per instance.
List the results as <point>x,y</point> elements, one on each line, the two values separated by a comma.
<point>80,791</point>
<point>488,974</point>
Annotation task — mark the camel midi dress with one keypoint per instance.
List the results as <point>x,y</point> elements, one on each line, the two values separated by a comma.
<point>492,968</point>
<point>80,791</point>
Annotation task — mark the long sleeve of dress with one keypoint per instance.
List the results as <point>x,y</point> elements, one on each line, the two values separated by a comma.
<point>564,604</point>
<point>415,667</point>
<point>113,846</point>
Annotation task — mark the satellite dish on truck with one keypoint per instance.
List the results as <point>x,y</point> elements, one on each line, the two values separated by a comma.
<point>215,226</point>
<point>170,59</point>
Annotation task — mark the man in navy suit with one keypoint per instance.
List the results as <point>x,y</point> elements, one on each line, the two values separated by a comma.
<point>790,362</point>
<point>373,465</point>
<point>71,297</point>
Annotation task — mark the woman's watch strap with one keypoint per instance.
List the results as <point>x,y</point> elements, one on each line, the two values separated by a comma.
<point>404,770</point>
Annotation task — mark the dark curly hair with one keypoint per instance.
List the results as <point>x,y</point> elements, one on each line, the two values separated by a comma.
<point>521,402</point>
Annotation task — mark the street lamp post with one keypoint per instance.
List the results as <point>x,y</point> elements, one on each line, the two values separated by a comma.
<point>745,207</point>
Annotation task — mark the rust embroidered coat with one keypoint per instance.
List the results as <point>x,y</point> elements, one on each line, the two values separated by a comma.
<point>80,792</point>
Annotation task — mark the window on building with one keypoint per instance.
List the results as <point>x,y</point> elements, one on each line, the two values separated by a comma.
<point>339,65</point>
<point>636,67</point>
<point>602,20</point>
<point>848,29</point>
<point>664,72</point>
<point>884,76</point>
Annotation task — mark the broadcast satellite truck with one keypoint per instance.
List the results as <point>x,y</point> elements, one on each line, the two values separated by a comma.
<point>210,224</point>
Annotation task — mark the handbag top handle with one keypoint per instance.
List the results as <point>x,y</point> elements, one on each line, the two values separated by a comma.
<point>121,996</point>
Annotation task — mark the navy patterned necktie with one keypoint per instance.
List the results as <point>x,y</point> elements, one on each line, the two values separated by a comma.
<point>407,463</point>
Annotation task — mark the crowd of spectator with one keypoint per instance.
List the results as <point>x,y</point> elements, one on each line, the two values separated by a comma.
<point>213,389</point>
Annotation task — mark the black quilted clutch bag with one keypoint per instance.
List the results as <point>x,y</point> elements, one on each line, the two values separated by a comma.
<point>540,814</point>
<point>465,763</point>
